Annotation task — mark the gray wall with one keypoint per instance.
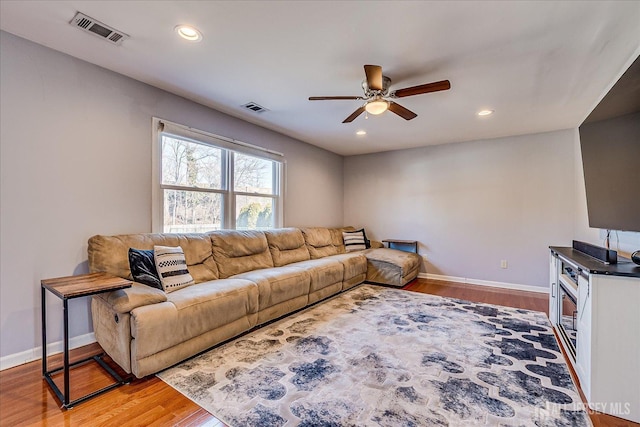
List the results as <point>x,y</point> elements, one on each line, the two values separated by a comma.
<point>76,161</point>
<point>472,204</point>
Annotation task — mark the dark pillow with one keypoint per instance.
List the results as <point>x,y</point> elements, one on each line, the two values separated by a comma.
<point>143,268</point>
<point>367,242</point>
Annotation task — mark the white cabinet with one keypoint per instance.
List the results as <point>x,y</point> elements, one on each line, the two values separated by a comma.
<point>607,319</point>
<point>611,362</point>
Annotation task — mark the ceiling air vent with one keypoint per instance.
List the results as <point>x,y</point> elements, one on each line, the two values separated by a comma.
<point>97,28</point>
<point>255,107</point>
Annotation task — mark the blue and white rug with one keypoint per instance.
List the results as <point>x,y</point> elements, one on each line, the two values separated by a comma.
<point>375,356</point>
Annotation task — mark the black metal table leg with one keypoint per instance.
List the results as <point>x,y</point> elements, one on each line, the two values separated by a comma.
<point>44,330</point>
<point>66,351</point>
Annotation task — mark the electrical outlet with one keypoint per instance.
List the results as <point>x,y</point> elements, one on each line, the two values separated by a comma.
<point>503,263</point>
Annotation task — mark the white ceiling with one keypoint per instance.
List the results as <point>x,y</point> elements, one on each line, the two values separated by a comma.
<point>541,66</point>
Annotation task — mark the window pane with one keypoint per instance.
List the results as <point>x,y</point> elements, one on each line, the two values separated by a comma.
<point>190,164</point>
<point>192,211</point>
<point>254,213</point>
<point>252,174</point>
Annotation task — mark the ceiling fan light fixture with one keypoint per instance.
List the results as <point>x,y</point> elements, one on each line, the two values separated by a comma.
<point>485,113</point>
<point>188,32</point>
<point>361,132</point>
<point>377,106</point>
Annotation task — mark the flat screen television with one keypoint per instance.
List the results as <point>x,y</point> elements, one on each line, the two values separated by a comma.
<point>610,145</point>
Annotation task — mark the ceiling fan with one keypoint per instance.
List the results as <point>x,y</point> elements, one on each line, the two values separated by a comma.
<point>377,95</point>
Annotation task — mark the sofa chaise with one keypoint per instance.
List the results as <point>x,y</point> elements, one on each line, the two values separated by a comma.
<point>242,279</point>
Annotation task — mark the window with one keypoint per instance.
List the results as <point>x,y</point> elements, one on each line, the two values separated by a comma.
<point>253,184</point>
<point>204,182</point>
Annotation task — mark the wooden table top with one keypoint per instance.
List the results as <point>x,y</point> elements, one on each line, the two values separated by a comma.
<point>84,284</point>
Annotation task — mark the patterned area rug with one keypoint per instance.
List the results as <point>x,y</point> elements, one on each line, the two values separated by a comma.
<point>385,357</point>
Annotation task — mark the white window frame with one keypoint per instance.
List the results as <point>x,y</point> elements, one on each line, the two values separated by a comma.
<point>229,148</point>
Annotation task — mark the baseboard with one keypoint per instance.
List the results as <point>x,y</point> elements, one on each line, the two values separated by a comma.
<point>12,360</point>
<point>469,281</point>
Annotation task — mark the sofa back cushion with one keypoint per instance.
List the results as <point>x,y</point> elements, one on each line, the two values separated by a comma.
<point>237,252</point>
<point>337,239</point>
<point>319,242</point>
<point>287,245</point>
<point>111,253</point>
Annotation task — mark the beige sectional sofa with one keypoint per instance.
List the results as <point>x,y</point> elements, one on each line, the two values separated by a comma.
<point>242,279</point>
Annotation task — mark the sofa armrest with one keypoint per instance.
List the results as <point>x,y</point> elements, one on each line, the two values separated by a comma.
<point>125,300</point>
<point>376,244</point>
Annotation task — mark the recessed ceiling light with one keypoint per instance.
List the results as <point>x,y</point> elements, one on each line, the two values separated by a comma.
<point>188,32</point>
<point>485,112</point>
<point>361,132</point>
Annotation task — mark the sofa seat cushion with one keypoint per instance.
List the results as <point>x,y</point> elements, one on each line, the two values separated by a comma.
<point>391,267</point>
<point>276,285</point>
<point>323,272</point>
<point>192,311</point>
<point>237,251</point>
<point>287,246</point>
<point>354,264</point>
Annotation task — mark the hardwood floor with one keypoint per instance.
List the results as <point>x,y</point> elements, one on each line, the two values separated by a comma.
<point>26,400</point>
<point>529,300</point>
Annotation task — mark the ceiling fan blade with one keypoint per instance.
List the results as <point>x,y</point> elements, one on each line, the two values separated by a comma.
<point>325,98</point>
<point>426,88</point>
<point>374,76</point>
<point>353,115</point>
<point>401,111</point>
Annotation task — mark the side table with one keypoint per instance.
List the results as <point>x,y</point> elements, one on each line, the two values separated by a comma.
<point>67,288</point>
<point>397,244</point>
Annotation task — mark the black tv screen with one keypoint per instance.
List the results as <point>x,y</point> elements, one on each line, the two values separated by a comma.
<point>610,143</point>
<point>611,162</point>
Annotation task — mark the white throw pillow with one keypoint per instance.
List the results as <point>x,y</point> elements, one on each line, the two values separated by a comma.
<point>354,240</point>
<point>172,268</point>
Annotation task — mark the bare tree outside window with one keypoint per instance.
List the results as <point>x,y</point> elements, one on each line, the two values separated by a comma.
<point>194,188</point>
<point>253,178</point>
<point>188,164</point>
<point>252,174</point>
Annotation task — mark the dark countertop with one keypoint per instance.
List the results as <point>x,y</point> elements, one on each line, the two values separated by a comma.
<point>624,267</point>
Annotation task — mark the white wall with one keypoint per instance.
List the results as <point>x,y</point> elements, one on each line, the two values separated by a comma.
<point>76,161</point>
<point>471,204</point>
